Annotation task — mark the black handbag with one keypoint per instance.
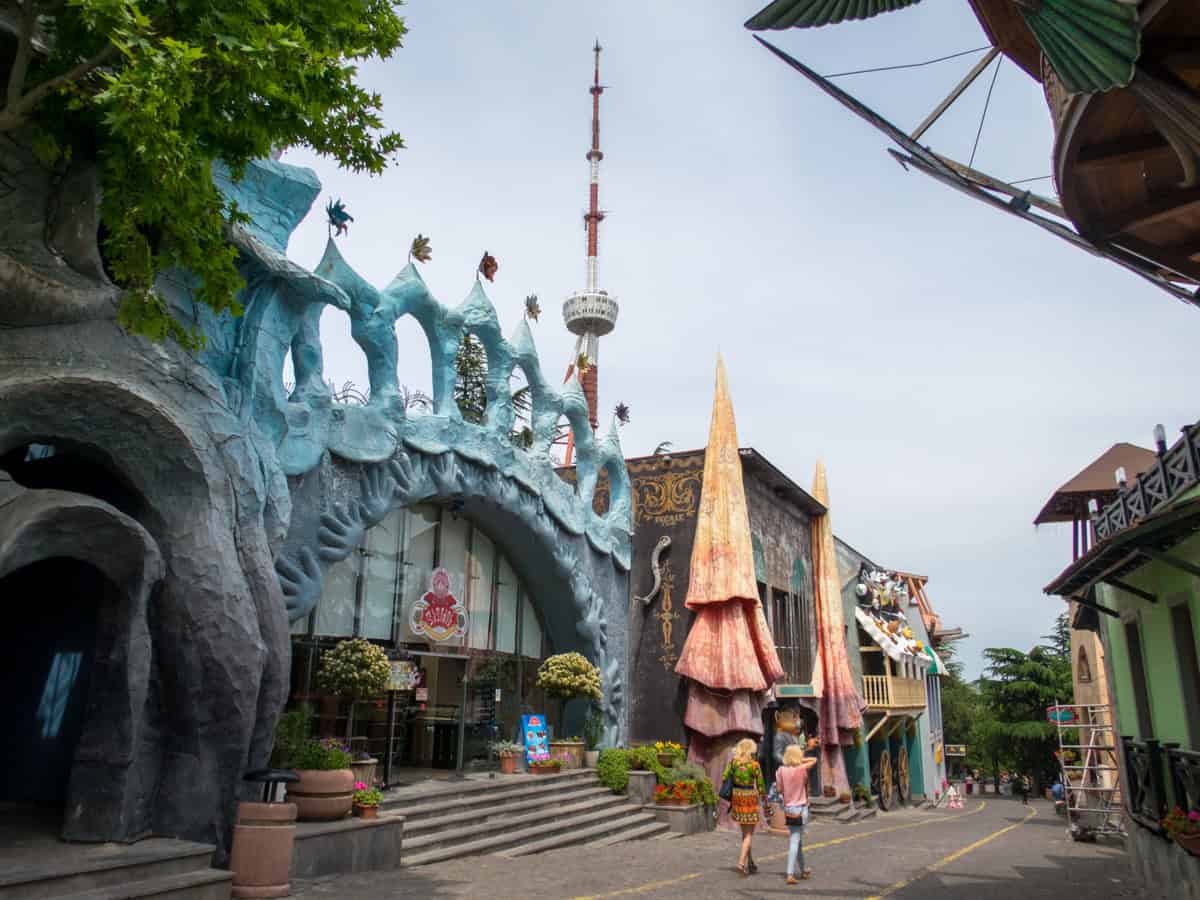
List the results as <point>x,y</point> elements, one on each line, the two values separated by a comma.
<point>726,792</point>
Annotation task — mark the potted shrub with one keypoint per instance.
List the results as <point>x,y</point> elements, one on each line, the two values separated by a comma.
<point>862,793</point>
<point>1183,828</point>
<point>508,752</point>
<point>326,786</point>
<point>680,793</point>
<point>566,677</point>
<point>593,732</point>
<point>359,670</point>
<point>366,800</point>
<point>668,753</point>
<point>844,797</point>
<point>549,766</point>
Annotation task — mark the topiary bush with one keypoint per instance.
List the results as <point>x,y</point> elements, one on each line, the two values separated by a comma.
<point>613,769</point>
<point>696,773</point>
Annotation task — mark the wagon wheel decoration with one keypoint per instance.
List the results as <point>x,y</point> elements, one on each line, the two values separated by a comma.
<point>903,785</point>
<point>887,782</point>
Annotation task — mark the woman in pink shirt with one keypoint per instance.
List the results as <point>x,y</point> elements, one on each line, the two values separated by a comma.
<point>792,782</point>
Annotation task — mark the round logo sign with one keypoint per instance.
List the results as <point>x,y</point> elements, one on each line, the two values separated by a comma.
<point>438,615</point>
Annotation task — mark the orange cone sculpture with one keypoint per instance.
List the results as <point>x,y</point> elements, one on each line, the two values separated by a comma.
<point>729,655</point>
<point>840,705</point>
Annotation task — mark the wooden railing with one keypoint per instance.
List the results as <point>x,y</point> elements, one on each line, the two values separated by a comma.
<point>885,692</point>
<point>1177,470</point>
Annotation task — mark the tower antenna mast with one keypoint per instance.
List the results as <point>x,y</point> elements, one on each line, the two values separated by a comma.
<point>591,313</point>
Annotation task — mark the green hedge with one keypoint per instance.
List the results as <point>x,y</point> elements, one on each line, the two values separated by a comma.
<point>614,765</point>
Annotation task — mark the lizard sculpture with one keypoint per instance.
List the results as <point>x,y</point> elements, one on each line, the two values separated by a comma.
<point>663,543</point>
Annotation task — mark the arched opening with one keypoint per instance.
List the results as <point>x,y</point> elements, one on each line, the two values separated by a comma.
<point>53,463</point>
<point>471,379</point>
<point>55,606</point>
<point>1084,670</point>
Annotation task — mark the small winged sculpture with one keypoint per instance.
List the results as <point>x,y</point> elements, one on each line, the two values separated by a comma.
<point>339,219</point>
<point>1093,45</point>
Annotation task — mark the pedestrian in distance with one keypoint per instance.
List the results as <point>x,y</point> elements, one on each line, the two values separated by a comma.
<point>749,788</point>
<point>1023,787</point>
<point>792,781</point>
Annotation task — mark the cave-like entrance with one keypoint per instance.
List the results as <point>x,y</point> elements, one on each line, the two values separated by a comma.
<point>52,609</point>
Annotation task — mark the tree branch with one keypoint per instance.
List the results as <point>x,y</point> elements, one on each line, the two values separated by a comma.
<point>20,66</point>
<point>11,116</point>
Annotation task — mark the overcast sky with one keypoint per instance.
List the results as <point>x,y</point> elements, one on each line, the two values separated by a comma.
<point>950,364</point>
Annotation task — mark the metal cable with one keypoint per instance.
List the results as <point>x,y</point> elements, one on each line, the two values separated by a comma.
<point>927,62</point>
<point>986,104</point>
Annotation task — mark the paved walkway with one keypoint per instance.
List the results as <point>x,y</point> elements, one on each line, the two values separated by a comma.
<point>994,848</point>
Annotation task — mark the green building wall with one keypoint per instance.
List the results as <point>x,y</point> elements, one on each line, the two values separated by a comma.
<point>1162,666</point>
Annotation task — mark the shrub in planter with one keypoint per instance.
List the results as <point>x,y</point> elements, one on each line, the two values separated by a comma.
<point>1183,828</point>
<point>508,752</point>
<point>568,676</point>
<point>356,669</point>
<point>545,766</point>
<point>326,786</point>
<point>366,800</point>
<point>844,797</point>
<point>862,793</point>
<point>681,793</point>
<point>695,773</point>
<point>613,769</point>
<point>669,753</point>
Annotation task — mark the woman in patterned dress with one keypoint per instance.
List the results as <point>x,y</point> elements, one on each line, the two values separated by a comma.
<point>748,791</point>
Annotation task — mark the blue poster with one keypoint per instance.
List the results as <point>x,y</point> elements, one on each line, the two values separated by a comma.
<point>533,733</point>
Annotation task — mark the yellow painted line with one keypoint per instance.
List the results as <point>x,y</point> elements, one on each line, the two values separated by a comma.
<point>858,835</point>
<point>946,860</point>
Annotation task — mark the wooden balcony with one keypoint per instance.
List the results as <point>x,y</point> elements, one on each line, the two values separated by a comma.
<point>883,692</point>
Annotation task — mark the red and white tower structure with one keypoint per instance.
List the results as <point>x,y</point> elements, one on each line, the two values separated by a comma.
<point>591,313</point>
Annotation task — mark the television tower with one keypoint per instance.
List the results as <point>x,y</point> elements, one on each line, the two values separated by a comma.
<point>591,313</point>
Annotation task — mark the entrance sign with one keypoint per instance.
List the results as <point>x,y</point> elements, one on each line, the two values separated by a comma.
<point>533,730</point>
<point>403,677</point>
<point>438,615</point>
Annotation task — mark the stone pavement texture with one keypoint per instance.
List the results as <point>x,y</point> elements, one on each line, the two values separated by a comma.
<point>992,849</point>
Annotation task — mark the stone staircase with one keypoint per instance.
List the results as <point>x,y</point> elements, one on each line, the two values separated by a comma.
<point>153,868</point>
<point>518,818</point>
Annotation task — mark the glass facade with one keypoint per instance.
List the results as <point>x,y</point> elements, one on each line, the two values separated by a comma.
<point>375,592</point>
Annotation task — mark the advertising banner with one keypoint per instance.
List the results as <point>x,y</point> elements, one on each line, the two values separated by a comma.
<point>438,616</point>
<point>533,731</point>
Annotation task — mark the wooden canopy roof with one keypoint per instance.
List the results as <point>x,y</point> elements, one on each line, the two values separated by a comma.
<point>1069,502</point>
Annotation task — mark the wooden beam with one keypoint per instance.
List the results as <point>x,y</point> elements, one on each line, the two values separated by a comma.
<point>1161,210</point>
<point>966,82</point>
<point>1173,265</point>
<point>1092,604</point>
<point>985,180</point>
<point>1171,560</point>
<point>1144,148</point>
<point>1130,589</point>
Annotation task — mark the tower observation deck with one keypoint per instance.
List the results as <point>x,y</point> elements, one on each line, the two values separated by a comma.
<point>591,313</point>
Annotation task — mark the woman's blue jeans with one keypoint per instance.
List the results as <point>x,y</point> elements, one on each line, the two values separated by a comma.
<point>795,863</point>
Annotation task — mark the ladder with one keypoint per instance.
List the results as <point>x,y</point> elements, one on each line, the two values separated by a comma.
<point>1087,754</point>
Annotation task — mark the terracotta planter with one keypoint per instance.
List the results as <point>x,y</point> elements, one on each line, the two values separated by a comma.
<point>666,760</point>
<point>322,796</point>
<point>669,801</point>
<point>1189,842</point>
<point>574,749</point>
<point>364,771</point>
<point>261,858</point>
<point>508,763</point>
<point>828,791</point>
<point>366,812</point>
<point>543,770</point>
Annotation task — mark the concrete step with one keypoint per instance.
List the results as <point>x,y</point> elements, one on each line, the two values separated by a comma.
<point>78,869</point>
<point>209,884</point>
<point>499,822</point>
<point>580,823</point>
<point>855,815</point>
<point>654,829</point>
<point>484,794</point>
<point>829,809</point>
<point>668,836</point>
<point>510,807</point>
<point>584,835</point>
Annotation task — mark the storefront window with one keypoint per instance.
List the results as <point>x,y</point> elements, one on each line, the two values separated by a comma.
<point>479,591</point>
<point>420,553</point>
<point>335,611</point>
<point>506,608</point>
<point>381,576</point>
<point>531,631</point>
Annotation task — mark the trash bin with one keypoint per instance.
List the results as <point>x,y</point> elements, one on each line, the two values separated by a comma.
<point>263,838</point>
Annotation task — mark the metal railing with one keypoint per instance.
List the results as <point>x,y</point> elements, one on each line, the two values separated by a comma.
<point>1184,769</point>
<point>1176,471</point>
<point>885,692</point>
<point>1144,771</point>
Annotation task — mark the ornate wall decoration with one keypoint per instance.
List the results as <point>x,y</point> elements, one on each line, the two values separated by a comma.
<point>667,499</point>
<point>667,617</point>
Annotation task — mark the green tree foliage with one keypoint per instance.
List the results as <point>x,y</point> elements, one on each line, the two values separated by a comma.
<point>1058,641</point>
<point>470,380</point>
<point>1016,690</point>
<point>159,90</point>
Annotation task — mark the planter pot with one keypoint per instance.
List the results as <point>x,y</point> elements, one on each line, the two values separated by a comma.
<point>591,758</point>
<point>1189,842</point>
<point>366,812</point>
<point>828,791</point>
<point>261,860</point>
<point>666,760</point>
<point>364,771</point>
<point>322,796</point>
<point>508,764</point>
<point>574,749</point>
<point>670,802</point>
<point>543,770</point>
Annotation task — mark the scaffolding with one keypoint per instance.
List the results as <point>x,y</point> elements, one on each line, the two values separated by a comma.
<point>1087,753</point>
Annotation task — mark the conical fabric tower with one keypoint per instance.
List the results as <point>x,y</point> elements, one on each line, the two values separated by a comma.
<point>729,655</point>
<point>840,705</point>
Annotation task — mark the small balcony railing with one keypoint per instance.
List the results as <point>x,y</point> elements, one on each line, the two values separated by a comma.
<point>886,692</point>
<point>1184,769</point>
<point>1176,471</point>
<point>1144,765</point>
